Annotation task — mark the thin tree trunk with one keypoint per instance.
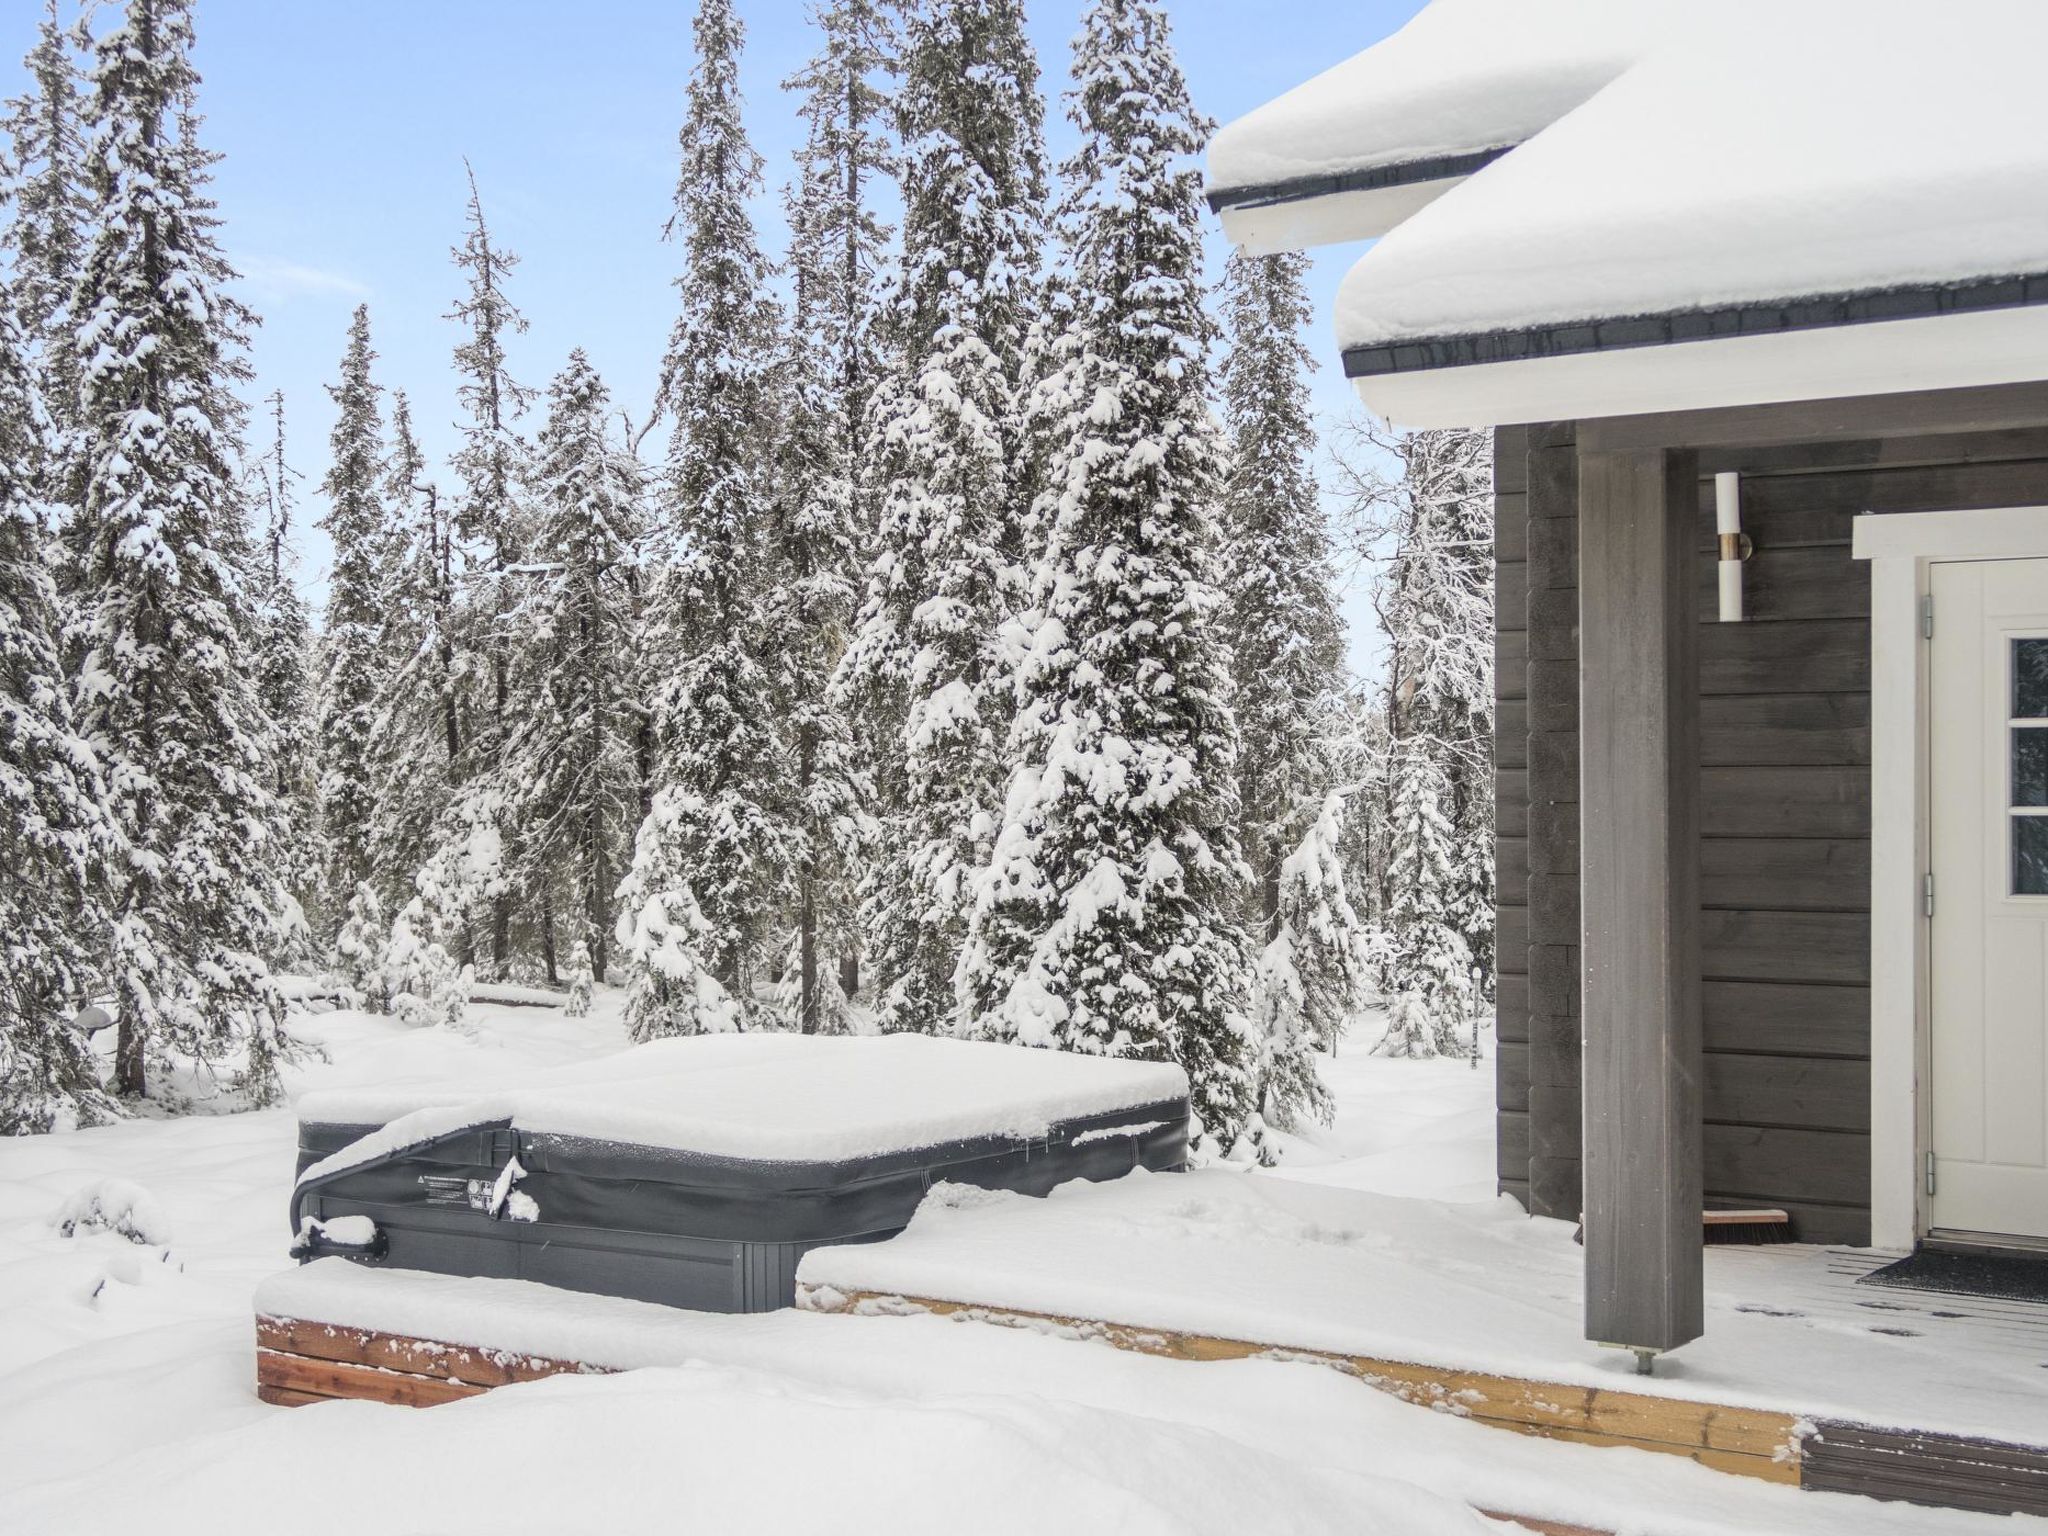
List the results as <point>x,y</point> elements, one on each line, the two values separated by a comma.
<point>600,886</point>
<point>547,935</point>
<point>129,1070</point>
<point>807,949</point>
<point>501,935</point>
<point>807,917</point>
<point>849,972</point>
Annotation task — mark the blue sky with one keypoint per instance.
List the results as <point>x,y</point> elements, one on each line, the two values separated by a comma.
<point>345,122</point>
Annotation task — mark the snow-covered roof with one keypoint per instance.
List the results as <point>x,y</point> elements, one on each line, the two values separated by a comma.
<point>770,1098</point>
<point>1852,199</point>
<point>1364,145</point>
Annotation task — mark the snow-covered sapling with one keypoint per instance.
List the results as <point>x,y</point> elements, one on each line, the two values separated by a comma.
<point>582,981</point>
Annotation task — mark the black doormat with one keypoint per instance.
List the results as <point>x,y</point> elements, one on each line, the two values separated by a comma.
<point>2006,1276</point>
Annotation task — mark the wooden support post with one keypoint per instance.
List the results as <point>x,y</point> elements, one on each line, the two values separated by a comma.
<point>1639,805</point>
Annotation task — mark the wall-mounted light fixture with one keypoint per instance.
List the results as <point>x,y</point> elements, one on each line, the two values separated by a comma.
<point>1735,545</point>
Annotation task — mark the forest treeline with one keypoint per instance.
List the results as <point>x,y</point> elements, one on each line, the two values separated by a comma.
<point>955,647</point>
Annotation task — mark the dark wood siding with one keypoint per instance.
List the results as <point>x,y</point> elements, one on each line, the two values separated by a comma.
<point>1785,791</point>
<point>1511,808</point>
<point>1553,764</point>
<point>1785,854</point>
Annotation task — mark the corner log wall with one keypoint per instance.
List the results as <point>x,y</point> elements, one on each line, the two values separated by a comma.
<point>1785,788</point>
<point>1537,791</point>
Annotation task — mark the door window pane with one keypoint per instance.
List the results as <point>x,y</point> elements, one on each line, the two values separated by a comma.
<point>2030,679</point>
<point>2030,855</point>
<point>2030,766</point>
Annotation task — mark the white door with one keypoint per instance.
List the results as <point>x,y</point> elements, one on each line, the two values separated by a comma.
<point>1988,825</point>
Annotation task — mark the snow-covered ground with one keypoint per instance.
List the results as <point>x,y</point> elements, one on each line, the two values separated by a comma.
<point>126,1375</point>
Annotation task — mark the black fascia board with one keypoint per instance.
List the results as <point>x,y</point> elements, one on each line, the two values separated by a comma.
<point>1376,178</point>
<point>1625,332</point>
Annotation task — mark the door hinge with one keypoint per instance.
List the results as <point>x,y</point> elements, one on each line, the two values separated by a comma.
<point>1927,616</point>
<point>1930,1173</point>
<point>1927,895</point>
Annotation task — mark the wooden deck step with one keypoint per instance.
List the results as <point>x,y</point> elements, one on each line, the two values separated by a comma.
<point>1543,1527</point>
<point>1746,1441</point>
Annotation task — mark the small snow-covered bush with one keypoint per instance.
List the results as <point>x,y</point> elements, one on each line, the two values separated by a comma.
<point>427,986</point>
<point>665,937</point>
<point>362,949</point>
<point>113,1205</point>
<point>1411,1030</point>
<point>437,991</point>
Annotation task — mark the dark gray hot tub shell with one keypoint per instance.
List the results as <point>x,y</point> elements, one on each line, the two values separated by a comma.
<point>684,1229</point>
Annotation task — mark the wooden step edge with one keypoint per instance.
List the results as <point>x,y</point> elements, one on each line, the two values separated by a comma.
<point>1543,1527</point>
<point>1758,1443</point>
<point>304,1377</point>
<point>410,1356</point>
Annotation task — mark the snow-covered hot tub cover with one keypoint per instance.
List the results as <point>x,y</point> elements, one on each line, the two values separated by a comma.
<point>1799,201</point>
<point>770,1098</point>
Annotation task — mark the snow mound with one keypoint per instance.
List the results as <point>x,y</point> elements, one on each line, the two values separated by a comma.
<point>1464,75</point>
<point>114,1205</point>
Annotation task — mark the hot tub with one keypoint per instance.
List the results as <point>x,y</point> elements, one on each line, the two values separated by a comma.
<point>697,1172</point>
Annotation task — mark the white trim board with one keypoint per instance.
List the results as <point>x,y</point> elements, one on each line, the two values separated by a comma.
<point>1901,546</point>
<point>1958,351</point>
<point>1998,533</point>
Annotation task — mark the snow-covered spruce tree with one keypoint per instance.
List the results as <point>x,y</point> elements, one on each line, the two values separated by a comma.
<point>1435,601</point>
<point>156,552</point>
<point>928,670</point>
<point>282,644</point>
<point>491,514</point>
<point>718,843</point>
<point>54,839</point>
<point>824,490</point>
<point>1424,959</point>
<point>571,763</point>
<point>1312,972</point>
<point>1287,643</point>
<point>46,238</point>
<point>1110,920</point>
<point>353,649</point>
<point>415,748</point>
<point>362,948</point>
<point>807,607</point>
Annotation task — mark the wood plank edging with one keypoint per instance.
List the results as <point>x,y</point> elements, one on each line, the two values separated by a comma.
<point>1748,1442</point>
<point>366,1347</point>
<point>295,1379</point>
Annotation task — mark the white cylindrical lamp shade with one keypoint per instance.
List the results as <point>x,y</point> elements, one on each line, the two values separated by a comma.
<point>1728,524</point>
